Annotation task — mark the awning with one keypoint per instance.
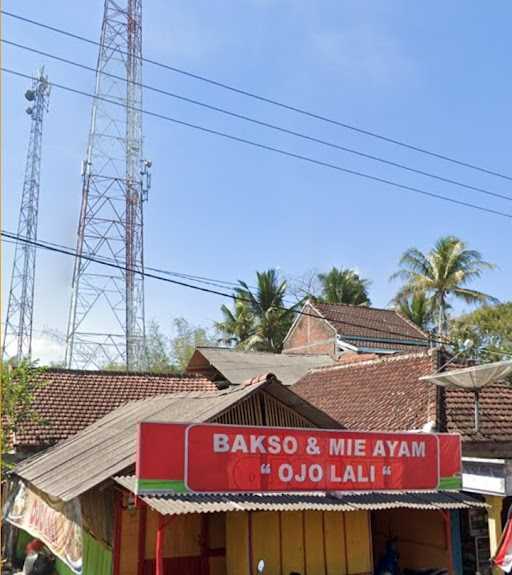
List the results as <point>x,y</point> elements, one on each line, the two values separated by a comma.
<point>180,503</point>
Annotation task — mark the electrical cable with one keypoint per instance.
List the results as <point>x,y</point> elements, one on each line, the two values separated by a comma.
<point>274,149</point>
<point>282,105</point>
<point>232,296</point>
<point>265,124</point>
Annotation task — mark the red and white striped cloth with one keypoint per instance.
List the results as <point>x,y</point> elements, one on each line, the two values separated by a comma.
<point>503,556</point>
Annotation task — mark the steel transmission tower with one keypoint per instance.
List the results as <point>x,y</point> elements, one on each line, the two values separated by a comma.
<point>18,325</point>
<point>106,319</point>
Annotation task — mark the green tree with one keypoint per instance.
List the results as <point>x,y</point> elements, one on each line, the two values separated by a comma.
<point>157,350</point>
<point>260,319</point>
<point>187,338</point>
<point>343,286</point>
<point>416,308</point>
<point>18,388</point>
<point>489,329</point>
<point>442,275</point>
<point>236,326</point>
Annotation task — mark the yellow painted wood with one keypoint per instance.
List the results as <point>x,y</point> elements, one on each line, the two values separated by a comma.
<point>292,541</point>
<point>237,543</point>
<point>183,536</point>
<point>216,530</point>
<point>315,564</point>
<point>265,540</point>
<point>494,524</point>
<point>129,542</point>
<point>335,543</point>
<point>151,527</point>
<point>358,538</point>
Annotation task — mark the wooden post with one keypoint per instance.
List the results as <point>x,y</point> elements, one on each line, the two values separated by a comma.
<point>494,524</point>
<point>141,556</point>
<point>251,568</point>
<point>205,554</point>
<point>116,560</point>
<point>159,547</point>
<point>448,540</point>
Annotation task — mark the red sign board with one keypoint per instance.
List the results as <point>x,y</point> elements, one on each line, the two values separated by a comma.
<point>230,458</point>
<point>227,458</point>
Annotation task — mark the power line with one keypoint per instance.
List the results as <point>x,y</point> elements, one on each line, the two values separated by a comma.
<point>262,123</point>
<point>235,297</point>
<point>283,105</point>
<point>276,150</point>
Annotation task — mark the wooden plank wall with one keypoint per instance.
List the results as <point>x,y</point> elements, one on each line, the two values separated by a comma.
<point>310,542</point>
<point>263,409</point>
<point>420,533</point>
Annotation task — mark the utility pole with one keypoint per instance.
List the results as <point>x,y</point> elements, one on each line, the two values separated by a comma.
<point>17,341</point>
<point>106,318</point>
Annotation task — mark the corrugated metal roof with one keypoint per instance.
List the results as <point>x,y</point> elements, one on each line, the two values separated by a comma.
<point>181,503</point>
<point>239,366</point>
<point>108,446</point>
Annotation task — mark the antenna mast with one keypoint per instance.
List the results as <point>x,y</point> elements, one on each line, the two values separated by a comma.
<point>18,325</point>
<point>106,319</point>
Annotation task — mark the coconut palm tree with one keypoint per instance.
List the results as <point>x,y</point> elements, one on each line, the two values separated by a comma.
<point>343,286</point>
<point>416,308</point>
<point>237,324</point>
<point>442,275</point>
<point>260,319</point>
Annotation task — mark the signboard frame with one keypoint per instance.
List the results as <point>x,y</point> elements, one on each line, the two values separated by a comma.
<point>146,484</point>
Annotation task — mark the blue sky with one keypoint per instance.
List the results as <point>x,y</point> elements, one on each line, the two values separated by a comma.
<point>433,74</point>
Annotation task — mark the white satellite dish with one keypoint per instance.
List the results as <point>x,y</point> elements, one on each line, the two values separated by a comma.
<point>472,379</point>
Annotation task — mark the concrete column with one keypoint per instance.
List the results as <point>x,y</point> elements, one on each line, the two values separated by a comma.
<point>494,523</point>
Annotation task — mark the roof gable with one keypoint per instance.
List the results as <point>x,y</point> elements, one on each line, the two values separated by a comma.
<point>108,446</point>
<point>369,328</point>
<point>238,366</point>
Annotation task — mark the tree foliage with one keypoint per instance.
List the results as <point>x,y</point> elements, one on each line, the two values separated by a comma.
<point>187,338</point>
<point>18,387</point>
<point>417,308</point>
<point>260,318</point>
<point>442,275</point>
<point>343,286</point>
<point>489,329</point>
<point>170,354</point>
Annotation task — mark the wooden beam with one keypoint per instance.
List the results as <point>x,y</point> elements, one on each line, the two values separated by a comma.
<point>116,560</point>
<point>159,546</point>
<point>141,555</point>
<point>494,524</point>
<point>448,539</point>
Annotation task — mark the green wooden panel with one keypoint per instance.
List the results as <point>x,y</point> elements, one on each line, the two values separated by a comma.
<point>97,558</point>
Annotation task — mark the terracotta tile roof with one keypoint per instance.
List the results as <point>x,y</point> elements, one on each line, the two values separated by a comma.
<point>354,357</point>
<point>69,400</point>
<point>385,327</point>
<point>495,413</point>
<point>382,394</point>
<point>386,394</point>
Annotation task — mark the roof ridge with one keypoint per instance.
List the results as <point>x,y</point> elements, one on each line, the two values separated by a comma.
<point>380,360</point>
<point>369,307</point>
<point>129,374</point>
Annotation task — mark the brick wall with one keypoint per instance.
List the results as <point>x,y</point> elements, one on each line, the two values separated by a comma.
<point>311,335</point>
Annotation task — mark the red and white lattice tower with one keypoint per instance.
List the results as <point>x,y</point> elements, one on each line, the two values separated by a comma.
<point>106,318</point>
